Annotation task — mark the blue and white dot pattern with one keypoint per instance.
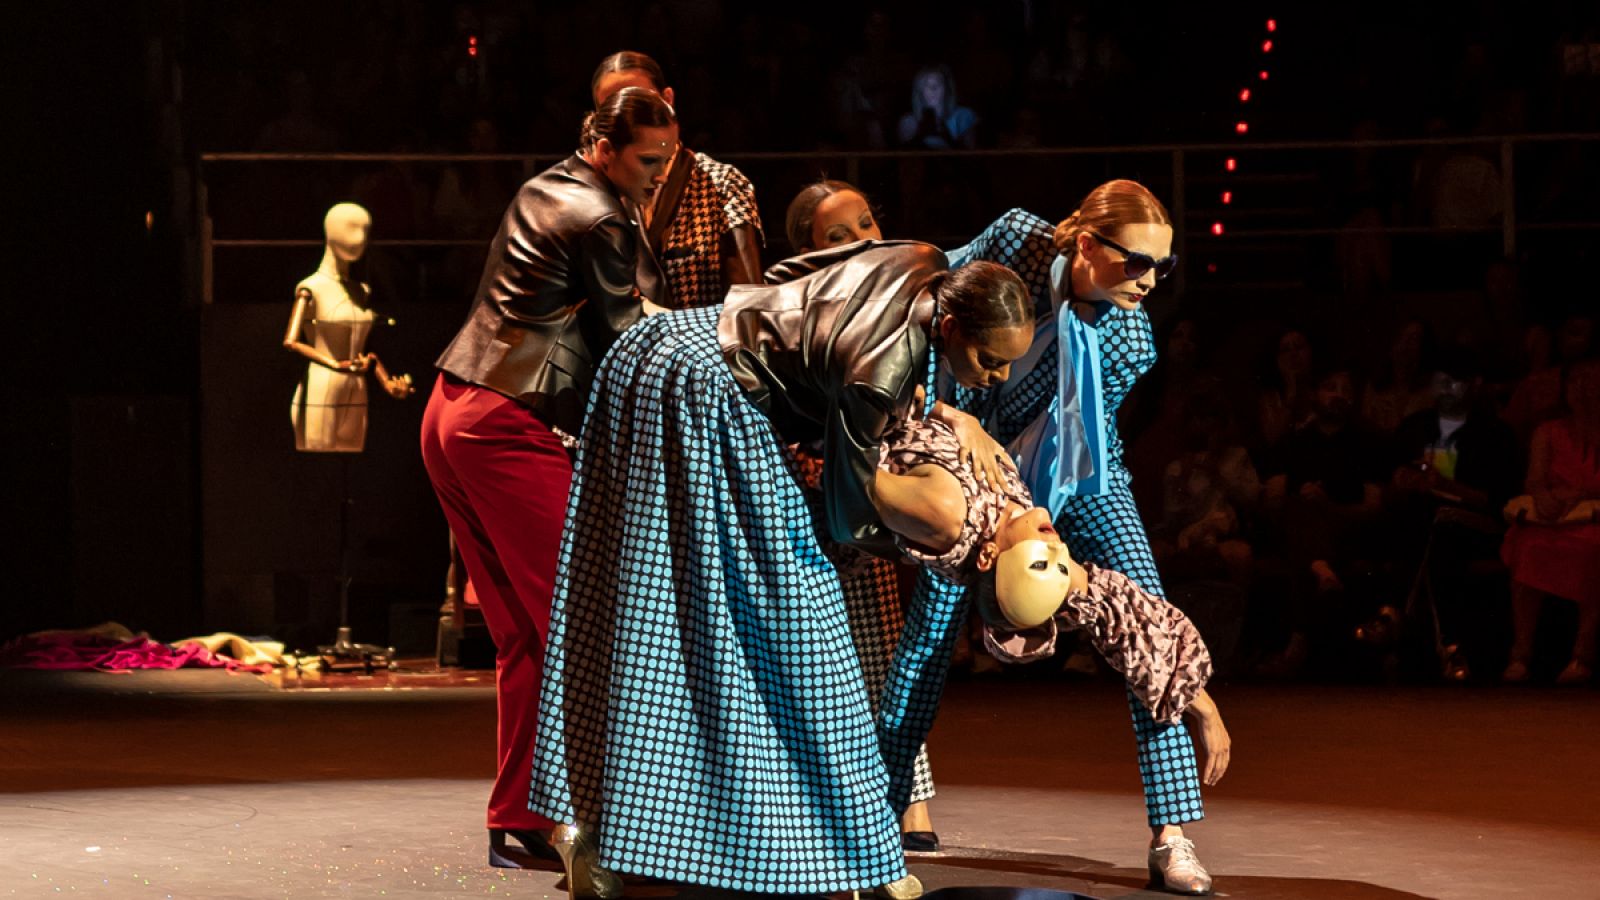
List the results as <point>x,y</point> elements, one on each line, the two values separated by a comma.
<point>1105,528</point>
<point>703,709</point>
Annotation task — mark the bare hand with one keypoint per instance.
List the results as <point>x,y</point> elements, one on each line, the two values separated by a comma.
<point>1549,506</point>
<point>1410,479</point>
<point>981,451</point>
<point>1216,747</point>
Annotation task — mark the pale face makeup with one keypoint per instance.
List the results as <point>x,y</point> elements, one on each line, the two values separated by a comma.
<point>638,169</point>
<point>843,218</point>
<point>1033,569</point>
<point>1098,271</point>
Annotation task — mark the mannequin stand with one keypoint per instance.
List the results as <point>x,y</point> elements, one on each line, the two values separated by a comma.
<point>344,654</point>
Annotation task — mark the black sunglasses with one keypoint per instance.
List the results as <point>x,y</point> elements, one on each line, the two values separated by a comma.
<point>1136,263</point>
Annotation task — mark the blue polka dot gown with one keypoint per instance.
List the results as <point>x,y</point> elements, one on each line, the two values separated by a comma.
<point>703,707</point>
<point>1105,528</point>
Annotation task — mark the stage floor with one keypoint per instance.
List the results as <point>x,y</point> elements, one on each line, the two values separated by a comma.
<point>201,784</point>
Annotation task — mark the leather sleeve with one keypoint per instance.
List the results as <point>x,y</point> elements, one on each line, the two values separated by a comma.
<point>741,255</point>
<point>800,266</point>
<point>851,444</point>
<point>607,264</point>
<point>869,402</point>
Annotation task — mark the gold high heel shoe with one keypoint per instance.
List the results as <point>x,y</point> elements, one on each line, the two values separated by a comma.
<point>585,879</point>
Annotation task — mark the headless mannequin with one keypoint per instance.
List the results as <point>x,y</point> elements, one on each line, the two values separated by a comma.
<point>330,324</point>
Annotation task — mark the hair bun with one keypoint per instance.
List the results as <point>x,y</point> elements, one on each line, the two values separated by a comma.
<point>1066,232</point>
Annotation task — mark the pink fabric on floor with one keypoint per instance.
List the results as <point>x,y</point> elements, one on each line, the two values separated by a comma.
<point>74,650</point>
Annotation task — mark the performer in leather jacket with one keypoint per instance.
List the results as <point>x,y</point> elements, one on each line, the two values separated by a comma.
<point>703,224</point>
<point>567,273</point>
<point>705,712</point>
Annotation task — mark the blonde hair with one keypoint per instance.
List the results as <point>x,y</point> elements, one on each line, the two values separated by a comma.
<point>1109,207</point>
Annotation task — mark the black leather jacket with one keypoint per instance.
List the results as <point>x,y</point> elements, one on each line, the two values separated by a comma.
<point>834,348</point>
<point>564,278</point>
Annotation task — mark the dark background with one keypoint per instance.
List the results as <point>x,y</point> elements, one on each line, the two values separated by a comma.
<point>149,467</point>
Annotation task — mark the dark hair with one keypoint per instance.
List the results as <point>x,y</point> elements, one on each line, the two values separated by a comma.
<point>983,295</point>
<point>623,112</point>
<point>803,210</point>
<point>1384,376</point>
<point>1325,372</point>
<point>980,589</point>
<point>627,61</point>
<point>1270,376</point>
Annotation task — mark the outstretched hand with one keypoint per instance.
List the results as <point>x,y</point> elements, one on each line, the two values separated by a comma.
<point>986,456</point>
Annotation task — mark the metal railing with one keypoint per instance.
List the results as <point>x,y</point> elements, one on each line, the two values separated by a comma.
<point>1190,177</point>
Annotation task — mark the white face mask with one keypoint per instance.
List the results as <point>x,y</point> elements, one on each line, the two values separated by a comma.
<point>1031,579</point>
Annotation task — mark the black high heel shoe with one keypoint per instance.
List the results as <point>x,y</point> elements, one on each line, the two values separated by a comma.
<point>535,851</point>
<point>920,841</point>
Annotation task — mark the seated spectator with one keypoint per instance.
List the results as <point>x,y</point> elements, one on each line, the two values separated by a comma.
<point>1538,396</point>
<point>298,130</point>
<point>1553,547</point>
<point>1285,401</point>
<point>1456,466</point>
<point>1154,418</point>
<point>1325,491</point>
<point>1209,491</point>
<point>863,83</point>
<point>472,196</point>
<point>936,121</point>
<point>1404,382</point>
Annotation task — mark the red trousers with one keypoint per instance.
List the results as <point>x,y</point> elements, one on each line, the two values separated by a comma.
<point>502,477</point>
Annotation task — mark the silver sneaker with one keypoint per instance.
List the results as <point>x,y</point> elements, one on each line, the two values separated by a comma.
<point>1174,868</point>
<point>907,888</point>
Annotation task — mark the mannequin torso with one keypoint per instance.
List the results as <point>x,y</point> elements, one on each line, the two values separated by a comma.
<point>330,325</point>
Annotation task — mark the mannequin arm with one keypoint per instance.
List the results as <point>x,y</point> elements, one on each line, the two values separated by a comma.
<point>398,387</point>
<point>292,342</point>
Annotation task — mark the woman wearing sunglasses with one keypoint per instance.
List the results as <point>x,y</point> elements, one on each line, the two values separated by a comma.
<point>1089,277</point>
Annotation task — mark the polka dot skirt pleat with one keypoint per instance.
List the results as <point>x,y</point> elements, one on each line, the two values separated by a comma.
<point>872,600</point>
<point>703,708</point>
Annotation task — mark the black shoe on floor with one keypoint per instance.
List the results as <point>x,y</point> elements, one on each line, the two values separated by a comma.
<point>920,841</point>
<point>527,850</point>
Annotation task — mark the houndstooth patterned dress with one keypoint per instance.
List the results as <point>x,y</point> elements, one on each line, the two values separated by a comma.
<point>1105,528</point>
<point>703,707</point>
<point>716,199</point>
